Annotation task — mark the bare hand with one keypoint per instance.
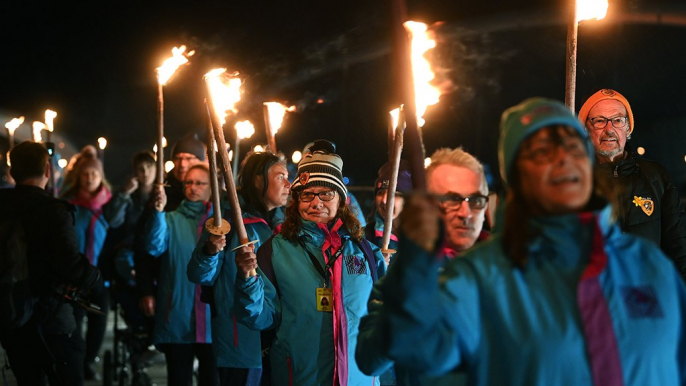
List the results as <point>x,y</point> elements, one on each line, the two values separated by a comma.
<point>215,244</point>
<point>421,221</point>
<point>160,198</point>
<point>147,305</point>
<point>246,261</point>
<point>131,185</point>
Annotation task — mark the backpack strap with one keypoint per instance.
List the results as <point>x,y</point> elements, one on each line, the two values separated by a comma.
<point>369,255</point>
<point>264,261</point>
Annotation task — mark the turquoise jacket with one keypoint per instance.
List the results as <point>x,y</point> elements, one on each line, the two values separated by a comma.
<point>309,346</point>
<point>591,306</point>
<point>234,344</point>
<point>180,316</point>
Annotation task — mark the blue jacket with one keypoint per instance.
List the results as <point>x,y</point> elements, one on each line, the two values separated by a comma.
<point>305,349</point>
<point>591,306</point>
<point>180,316</point>
<point>233,343</point>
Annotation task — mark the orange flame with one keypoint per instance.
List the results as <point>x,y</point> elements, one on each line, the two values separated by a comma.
<point>225,90</point>
<point>14,124</point>
<point>425,94</point>
<point>49,116</point>
<point>244,129</point>
<point>277,111</point>
<point>395,117</point>
<point>590,9</point>
<point>37,127</point>
<point>169,66</point>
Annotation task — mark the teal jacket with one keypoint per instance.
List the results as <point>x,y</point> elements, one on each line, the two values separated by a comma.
<point>591,306</point>
<point>180,316</point>
<point>310,345</point>
<point>234,344</point>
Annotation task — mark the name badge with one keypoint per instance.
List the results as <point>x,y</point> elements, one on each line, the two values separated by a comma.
<point>324,300</point>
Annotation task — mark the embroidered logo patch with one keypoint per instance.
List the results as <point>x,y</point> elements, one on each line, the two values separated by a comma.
<point>355,265</point>
<point>646,204</point>
<point>304,177</point>
<point>641,302</point>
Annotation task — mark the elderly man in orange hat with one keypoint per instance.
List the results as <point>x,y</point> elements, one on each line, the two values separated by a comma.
<point>649,201</point>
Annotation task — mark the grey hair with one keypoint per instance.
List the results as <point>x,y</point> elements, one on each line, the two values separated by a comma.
<point>460,158</point>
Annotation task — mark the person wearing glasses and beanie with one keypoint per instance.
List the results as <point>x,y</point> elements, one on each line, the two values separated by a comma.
<point>561,297</point>
<point>313,280</point>
<point>649,201</point>
<point>182,322</point>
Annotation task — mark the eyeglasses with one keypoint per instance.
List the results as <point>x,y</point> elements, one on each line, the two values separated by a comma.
<point>325,195</point>
<point>600,122</point>
<point>454,201</point>
<point>544,151</point>
<point>196,183</point>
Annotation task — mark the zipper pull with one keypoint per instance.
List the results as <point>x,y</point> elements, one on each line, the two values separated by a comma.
<point>615,173</point>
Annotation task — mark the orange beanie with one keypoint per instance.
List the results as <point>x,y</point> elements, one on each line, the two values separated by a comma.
<point>602,95</point>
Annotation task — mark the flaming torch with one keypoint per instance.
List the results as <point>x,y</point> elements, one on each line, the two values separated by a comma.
<point>37,127</point>
<point>397,122</point>
<point>164,73</point>
<point>223,92</point>
<point>49,118</point>
<point>582,10</point>
<point>244,129</point>
<point>11,126</point>
<point>215,225</point>
<point>274,113</point>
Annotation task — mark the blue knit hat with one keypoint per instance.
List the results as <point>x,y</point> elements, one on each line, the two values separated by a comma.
<point>404,184</point>
<point>523,120</point>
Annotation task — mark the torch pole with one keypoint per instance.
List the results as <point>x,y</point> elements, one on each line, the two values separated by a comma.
<point>572,35</point>
<point>10,138</point>
<point>392,185</point>
<point>236,154</point>
<point>211,224</point>
<point>390,137</point>
<point>268,126</point>
<point>160,135</point>
<point>403,61</point>
<point>236,214</point>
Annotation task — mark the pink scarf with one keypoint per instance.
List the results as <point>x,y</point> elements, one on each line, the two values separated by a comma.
<point>94,204</point>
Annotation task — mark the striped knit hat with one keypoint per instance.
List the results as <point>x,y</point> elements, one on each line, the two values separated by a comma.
<point>321,166</point>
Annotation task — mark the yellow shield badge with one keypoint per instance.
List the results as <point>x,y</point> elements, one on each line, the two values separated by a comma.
<point>646,204</point>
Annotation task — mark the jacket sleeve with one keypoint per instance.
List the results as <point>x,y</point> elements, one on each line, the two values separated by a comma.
<point>115,210</point>
<point>673,239</point>
<point>412,307</point>
<point>203,269</point>
<point>156,237</point>
<point>256,302</point>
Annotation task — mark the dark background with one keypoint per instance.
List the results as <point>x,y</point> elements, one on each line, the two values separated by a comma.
<point>93,62</point>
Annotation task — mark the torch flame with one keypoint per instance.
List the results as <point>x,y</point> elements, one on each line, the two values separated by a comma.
<point>37,127</point>
<point>244,129</point>
<point>277,111</point>
<point>425,94</point>
<point>49,116</point>
<point>395,116</point>
<point>169,66</point>
<point>14,124</point>
<point>102,143</point>
<point>225,90</point>
<point>590,9</point>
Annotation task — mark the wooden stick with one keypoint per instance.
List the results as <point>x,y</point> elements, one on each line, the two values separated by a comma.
<point>570,79</point>
<point>159,179</point>
<point>268,125</point>
<point>392,185</point>
<point>216,225</point>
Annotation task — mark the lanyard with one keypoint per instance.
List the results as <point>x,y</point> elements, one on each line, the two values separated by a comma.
<point>326,271</point>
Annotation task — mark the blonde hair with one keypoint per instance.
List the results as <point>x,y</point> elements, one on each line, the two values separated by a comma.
<point>460,158</point>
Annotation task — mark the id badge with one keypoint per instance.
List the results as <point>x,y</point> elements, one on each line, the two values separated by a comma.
<point>324,300</point>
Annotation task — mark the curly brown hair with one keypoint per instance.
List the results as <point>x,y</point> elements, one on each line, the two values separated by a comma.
<point>293,222</point>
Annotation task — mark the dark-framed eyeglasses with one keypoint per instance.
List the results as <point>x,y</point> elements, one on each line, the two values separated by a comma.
<point>544,151</point>
<point>196,183</point>
<point>324,195</point>
<point>618,122</point>
<point>454,201</point>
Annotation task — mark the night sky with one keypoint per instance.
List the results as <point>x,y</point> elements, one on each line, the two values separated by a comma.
<point>94,64</point>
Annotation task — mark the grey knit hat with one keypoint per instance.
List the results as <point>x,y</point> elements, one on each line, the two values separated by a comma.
<point>321,166</point>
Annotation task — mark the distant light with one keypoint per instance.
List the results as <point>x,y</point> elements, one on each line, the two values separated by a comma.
<point>168,166</point>
<point>346,180</point>
<point>640,150</point>
<point>685,158</point>
<point>154,148</point>
<point>62,163</point>
<point>230,155</point>
<point>320,101</point>
<point>60,145</point>
<point>427,161</point>
<point>102,143</point>
<point>164,142</point>
<point>297,156</point>
<point>258,149</point>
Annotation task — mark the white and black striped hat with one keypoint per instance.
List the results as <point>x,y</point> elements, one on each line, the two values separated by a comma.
<point>321,167</point>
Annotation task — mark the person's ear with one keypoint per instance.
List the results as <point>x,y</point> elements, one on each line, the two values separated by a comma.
<point>259,183</point>
<point>47,169</point>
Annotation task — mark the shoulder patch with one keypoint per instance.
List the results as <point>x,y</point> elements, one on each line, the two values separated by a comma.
<point>646,204</point>
<point>641,302</point>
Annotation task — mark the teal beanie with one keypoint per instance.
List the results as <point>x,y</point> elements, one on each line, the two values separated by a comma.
<point>523,120</point>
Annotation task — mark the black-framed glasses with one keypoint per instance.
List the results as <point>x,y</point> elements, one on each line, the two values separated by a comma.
<point>324,195</point>
<point>618,122</point>
<point>196,183</point>
<point>454,201</point>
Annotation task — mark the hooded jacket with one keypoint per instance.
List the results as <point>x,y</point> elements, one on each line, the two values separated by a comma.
<point>180,316</point>
<point>591,306</point>
<point>311,347</point>
<point>650,205</point>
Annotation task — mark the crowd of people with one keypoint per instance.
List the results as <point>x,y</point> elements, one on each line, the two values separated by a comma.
<point>578,278</point>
